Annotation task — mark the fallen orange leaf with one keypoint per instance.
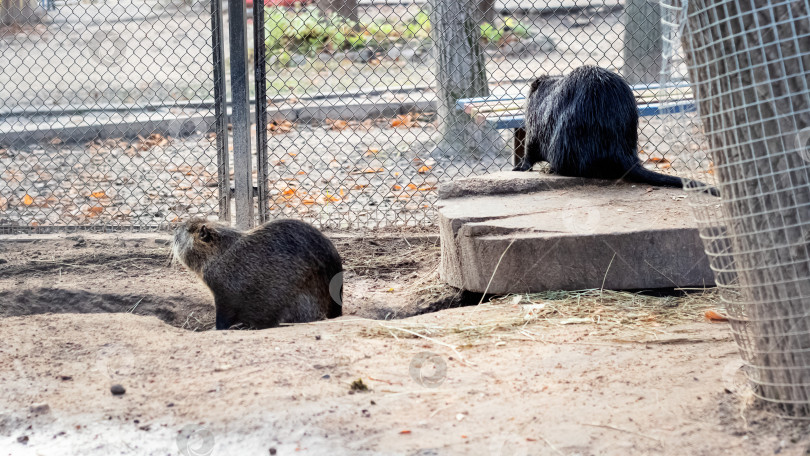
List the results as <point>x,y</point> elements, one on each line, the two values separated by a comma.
<point>412,186</point>
<point>308,201</point>
<point>397,187</point>
<point>373,170</point>
<point>27,200</point>
<point>359,186</point>
<point>402,121</point>
<point>424,169</point>
<point>339,124</point>
<point>332,198</point>
<point>715,316</point>
<point>288,191</point>
<point>425,189</point>
<point>405,432</point>
<point>98,194</point>
<point>96,210</point>
<point>282,127</point>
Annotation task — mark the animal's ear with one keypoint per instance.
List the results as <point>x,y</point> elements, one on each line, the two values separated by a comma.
<point>535,84</point>
<point>205,234</point>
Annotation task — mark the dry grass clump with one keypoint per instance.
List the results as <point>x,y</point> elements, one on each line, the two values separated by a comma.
<point>607,307</point>
<point>383,257</point>
<point>602,308</point>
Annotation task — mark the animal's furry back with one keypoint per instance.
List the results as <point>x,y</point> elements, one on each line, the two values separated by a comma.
<point>584,124</point>
<point>279,272</point>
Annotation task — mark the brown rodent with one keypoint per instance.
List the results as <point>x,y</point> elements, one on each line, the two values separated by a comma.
<point>279,272</point>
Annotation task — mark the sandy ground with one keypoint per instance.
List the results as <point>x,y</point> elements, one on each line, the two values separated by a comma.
<point>494,380</point>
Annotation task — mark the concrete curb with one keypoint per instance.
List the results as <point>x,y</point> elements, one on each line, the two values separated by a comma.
<point>171,124</point>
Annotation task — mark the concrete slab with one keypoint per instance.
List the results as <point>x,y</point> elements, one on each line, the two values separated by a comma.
<point>514,232</point>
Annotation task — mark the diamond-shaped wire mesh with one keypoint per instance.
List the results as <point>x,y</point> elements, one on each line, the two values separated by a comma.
<point>107,108</point>
<point>107,114</point>
<point>362,124</point>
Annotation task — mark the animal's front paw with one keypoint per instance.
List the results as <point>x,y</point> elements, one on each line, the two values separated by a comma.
<point>223,323</point>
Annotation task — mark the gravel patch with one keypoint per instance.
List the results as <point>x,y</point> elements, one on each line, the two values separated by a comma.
<point>364,174</point>
<point>357,174</point>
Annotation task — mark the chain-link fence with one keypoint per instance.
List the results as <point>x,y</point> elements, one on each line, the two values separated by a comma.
<point>749,63</point>
<point>111,115</point>
<point>362,123</point>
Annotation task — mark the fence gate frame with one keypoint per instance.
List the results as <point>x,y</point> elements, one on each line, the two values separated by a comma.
<point>260,81</point>
<point>244,193</point>
<point>240,112</point>
<point>220,112</point>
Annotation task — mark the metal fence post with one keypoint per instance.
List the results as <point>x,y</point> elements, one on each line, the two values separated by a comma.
<point>260,81</point>
<point>221,112</point>
<point>240,114</point>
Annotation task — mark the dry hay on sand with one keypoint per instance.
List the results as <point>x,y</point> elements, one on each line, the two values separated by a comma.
<point>607,307</point>
<point>606,310</point>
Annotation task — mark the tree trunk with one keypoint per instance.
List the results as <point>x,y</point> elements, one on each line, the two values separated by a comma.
<point>345,8</point>
<point>642,41</point>
<point>486,11</point>
<point>460,73</point>
<point>20,12</point>
<point>748,65</point>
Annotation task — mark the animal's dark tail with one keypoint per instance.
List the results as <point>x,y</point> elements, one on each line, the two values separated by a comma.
<point>640,174</point>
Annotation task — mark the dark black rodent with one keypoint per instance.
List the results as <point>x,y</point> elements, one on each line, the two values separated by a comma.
<point>586,125</point>
<point>279,272</point>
